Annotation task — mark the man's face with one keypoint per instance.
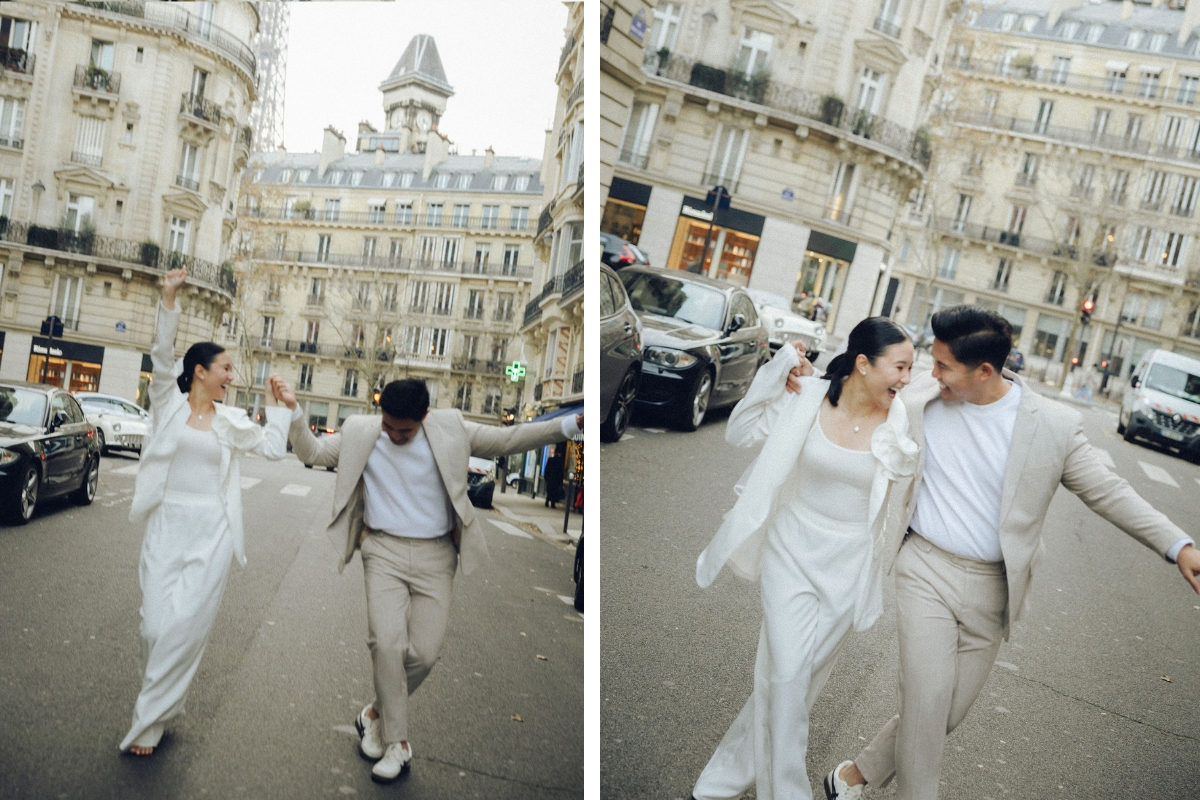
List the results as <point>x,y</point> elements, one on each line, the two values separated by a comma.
<point>956,380</point>
<point>399,430</point>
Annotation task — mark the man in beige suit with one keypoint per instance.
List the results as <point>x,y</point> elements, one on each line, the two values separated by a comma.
<point>993,453</point>
<point>401,497</point>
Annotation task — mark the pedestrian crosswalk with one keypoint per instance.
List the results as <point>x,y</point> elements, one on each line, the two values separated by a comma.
<point>1157,473</point>
<point>292,489</point>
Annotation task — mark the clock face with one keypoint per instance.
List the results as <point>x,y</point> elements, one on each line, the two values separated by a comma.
<point>424,121</point>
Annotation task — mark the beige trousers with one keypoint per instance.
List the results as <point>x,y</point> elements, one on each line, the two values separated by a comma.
<point>408,584</point>
<point>950,616</point>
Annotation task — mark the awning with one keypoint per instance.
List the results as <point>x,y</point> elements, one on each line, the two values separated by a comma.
<point>561,412</point>
<point>1153,69</point>
<point>1116,66</point>
<point>377,201</point>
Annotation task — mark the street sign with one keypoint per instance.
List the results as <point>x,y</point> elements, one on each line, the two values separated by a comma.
<point>120,327</point>
<point>788,194</point>
<point>712,198</point>
<point>57,327</point>
<point>515,371</point>
<point>637,26</point>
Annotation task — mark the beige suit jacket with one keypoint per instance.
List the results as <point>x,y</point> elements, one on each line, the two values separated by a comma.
<point>1048,448</point>
<point>453,441</point>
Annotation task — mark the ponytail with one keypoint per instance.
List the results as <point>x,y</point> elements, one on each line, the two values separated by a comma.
<point>200,354</point>
<point>869,338</point>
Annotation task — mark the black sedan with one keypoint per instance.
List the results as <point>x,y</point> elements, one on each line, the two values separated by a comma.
<point>480,484</point>
<point>47,449</point>
<point>702,342</point>
<point>619,253</point>
<point>620,356</point>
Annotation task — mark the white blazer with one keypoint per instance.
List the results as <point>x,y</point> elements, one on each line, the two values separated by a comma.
<point>783,420</point>
<point>237,434</point>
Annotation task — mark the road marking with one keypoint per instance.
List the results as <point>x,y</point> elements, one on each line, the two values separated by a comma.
<point>511,530</point>
<point>540,589</point>
<point>568,600</point>
<point>250,483</point>
<point>1159,474</point>
<point>296,489</point>
<point>1105,458</point>
<point>132,469</point>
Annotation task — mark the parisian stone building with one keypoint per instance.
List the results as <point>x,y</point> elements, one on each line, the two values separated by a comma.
<point>122,138</point>
<point>399,258</point>
<point>808,114</point>
<point>1068,169</point>
<point>553,319</point>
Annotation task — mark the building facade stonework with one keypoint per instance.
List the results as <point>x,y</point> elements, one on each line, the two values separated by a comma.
<point>398,259</point>
<point>807,114</point>
<point>1067,169</point>
<point>122,138</point>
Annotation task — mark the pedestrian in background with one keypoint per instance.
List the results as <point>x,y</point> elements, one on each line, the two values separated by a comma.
<point>553,475</point>
<point>189,496</point>
<point>818,503</point>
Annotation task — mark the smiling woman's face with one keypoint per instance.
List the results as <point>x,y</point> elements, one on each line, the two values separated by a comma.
<point>890,373</point>
<point>217,377</point>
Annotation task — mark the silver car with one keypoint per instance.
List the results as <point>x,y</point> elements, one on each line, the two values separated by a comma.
<point>784,325</point>
<point>120,425</point>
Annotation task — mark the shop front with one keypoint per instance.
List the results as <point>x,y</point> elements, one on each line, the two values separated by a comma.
<point>822,277</point>
<point>71,365</point>
<point>719,243</point>
<point>625,210</point>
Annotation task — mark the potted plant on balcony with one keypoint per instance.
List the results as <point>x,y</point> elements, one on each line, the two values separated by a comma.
<point>864,123</point>
<point>664,57</point>
<point>149,253</point>
<point>706,77</point>
<point>303,209</point>
<point>831,109</point>
<point>751,86</point>
<point>97,78</point>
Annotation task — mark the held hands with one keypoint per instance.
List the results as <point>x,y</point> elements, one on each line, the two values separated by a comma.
<point>278,391</point>
<point>172,282</point>
<point>1189,564</point>
<point>803,371</point>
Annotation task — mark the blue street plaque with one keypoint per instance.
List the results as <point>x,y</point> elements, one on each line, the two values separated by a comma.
<point>120,327</point>
<point>637,26</point>
<point>788,195</point>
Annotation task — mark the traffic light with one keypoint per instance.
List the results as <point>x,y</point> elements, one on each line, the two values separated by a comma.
<point>1085,311</point>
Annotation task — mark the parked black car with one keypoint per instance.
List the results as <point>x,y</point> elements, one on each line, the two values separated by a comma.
<point>47,449</point>
<point>702,342</point>
<point>620,356</point>
<point>619,253</point>
<point>480,484</point>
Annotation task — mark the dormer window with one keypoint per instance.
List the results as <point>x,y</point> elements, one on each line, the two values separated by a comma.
<point>1008,21</point>
<point>336,176</point>
<point>1070,29</point>
<point>302,175</point>
<point>356,177</point>
<point>406,179</point>
<point>522,183</point>
<point>1094,33</point>
<point>285,176</point>
<point>442,180</point>
<point>1157,42</point>
<point>1133,39</point>
<point>1029,22</point>
<point>389,179</point>
<point>499,182</point>
<point>464,180</point>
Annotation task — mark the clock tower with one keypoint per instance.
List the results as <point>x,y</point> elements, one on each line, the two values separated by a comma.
<point>415,94</point>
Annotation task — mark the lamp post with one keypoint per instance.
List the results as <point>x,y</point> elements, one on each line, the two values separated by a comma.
<point>718,198</point>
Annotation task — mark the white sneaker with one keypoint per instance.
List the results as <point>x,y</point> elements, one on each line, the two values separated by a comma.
<point>370,739</point>
<point>395,761</point>
<point>838,789</point>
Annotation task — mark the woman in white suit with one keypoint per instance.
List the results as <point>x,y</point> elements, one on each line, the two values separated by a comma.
<point>189,496</point>
<point>813,509</point>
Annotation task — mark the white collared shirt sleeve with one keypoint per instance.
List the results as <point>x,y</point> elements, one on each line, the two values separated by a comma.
<point>1173,553</point>
<point>569,428</point>
<point>298,413</point>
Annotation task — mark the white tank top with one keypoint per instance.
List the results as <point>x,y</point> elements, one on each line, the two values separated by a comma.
<point>831,480</point>
<point>196,466</point>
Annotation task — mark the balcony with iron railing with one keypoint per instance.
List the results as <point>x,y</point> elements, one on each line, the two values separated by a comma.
<point>142,255</point>
<point>390,263</point>
<point>245,137</point>
<point>1026,179</point>
<point>800,105</point>
<point>638,159</point>
<point>96,80</point>
<point>1018,240</point>
<point>196,106</point>
<point>1151,205</point>
<point>1077,136</point>
<point>545,218</point>
<point>87,159</point>
<point>533,311</point>
<point>172,17</point>
<point>577,382</point>
<point>575,95</point>
<point>887,27</point>
<point>15,60</point>
<point>300,213</point>
<point>606,22</point>
<point>479,366</point>
<point>1132,85</point>
<point>187,183</point>
<point>1081,193</point>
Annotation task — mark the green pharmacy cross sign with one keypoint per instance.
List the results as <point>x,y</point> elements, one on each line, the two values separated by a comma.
<point>515,371</point>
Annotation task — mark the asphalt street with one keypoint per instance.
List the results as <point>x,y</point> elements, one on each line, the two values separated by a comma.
<point>271,711</point>
<point>1097,695</point>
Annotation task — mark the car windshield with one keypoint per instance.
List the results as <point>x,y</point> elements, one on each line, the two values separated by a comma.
<point>762,298</point>
<point>22,406</point>
<point>668,297</point>
<point>1175,382</point>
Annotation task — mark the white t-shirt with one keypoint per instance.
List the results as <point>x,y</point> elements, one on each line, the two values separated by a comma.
<point>405,495</point>
<point>966,454</point>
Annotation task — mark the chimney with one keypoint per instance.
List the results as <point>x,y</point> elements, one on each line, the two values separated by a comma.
<point>437,147</point>
<point>489,157</point>
<point>333,148</point>
<point>1191,20</point>
<point>1057,7</point>
<point>379,155</point>
<point>1126,9</point>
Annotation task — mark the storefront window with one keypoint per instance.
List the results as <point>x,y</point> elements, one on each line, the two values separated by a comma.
<point>736,251</point>
<point>817,287</point>
<point>1049,337</point>
<point>80,376</point>
<point>623,219</point>
<point>143,393</point>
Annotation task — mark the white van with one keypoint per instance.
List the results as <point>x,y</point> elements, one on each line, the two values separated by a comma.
<point>1163,403</point>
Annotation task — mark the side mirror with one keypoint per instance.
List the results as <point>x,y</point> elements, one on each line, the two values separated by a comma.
<point>737,323</point>
<point>1133,381</point>
<point>58,420</point>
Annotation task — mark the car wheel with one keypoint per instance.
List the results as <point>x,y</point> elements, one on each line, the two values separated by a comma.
<point>23,502</point>
<point>1120,427</point>
<point>617,423</point>
<point>100,441</point>
<point>86,492</point>
<point>691,413</point>
<point>1127,434</point>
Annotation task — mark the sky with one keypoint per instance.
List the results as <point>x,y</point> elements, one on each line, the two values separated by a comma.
<point>500,57</point>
